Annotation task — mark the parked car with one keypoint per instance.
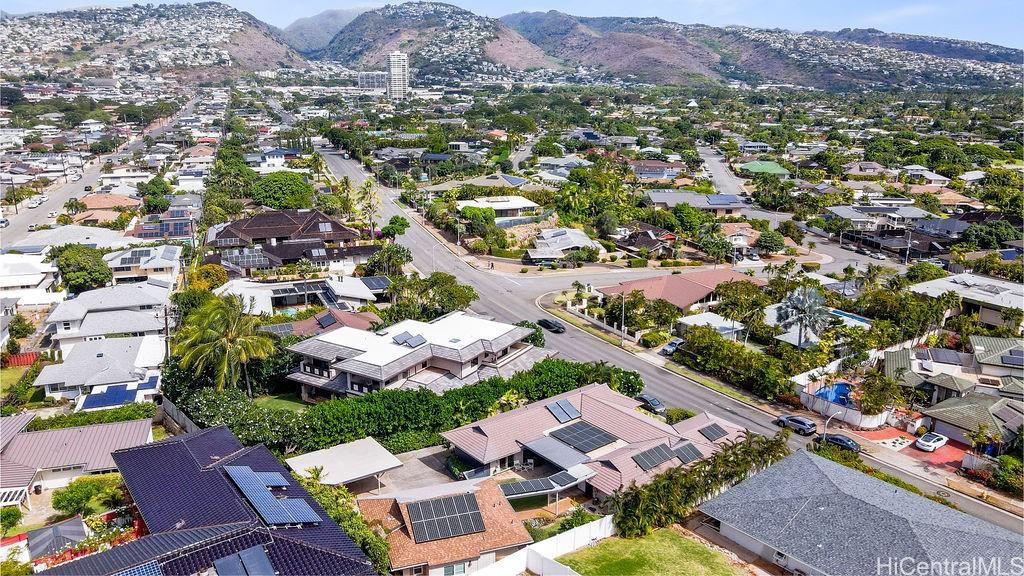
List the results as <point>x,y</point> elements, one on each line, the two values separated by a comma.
<point>848,247</point>
<point>4,222</point>
<point>864,251</point>
<point>799,424</point>
<point>33,204</point>
<point>931,442</point>
<point>841,440</point>
<point>651,404</point>
<point>52,214</point>
<point>32,227</point>
<point>670,348</point>
<point>748,200</point>
<point>43,198</point>
<point>878,256</point>
<point>552,325</point>
<point>88,188</point>
<point>754,257</point>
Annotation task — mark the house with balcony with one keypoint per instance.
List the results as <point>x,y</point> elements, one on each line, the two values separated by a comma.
<point>29,280</point>
<point>106,373</point>
<point>656,169</point>
<point>448,352</point>
<point>133,309</point>
<point>140,264</point>
<point>274,226</point>
<point>985,296</point>
<point>878,218</point>
<point>503,206</point>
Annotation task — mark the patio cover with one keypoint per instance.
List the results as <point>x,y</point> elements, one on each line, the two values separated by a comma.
<point>346,463</point>
<point>559,454</point>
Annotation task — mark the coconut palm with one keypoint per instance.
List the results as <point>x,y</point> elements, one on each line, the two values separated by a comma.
<point>222,339</point>
<point>804,307</point>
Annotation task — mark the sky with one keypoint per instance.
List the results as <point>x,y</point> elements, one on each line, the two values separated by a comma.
<point>995,21</point>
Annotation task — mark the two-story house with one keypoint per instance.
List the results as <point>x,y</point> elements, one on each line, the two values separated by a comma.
<point>115,311</point>
<point>141,264</point>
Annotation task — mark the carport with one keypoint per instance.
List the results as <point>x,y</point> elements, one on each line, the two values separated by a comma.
<point>347,463</point>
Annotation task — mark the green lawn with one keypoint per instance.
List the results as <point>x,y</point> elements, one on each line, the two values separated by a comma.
<point>9,376</point>
<point>529,503</point>
<point>287,401</point>
<point>663,552</point>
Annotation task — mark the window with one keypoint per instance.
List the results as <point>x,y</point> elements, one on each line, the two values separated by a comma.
<point>417,570</point>
<point>65,325</point>
<point>454,569</point>
<point>325,227</point>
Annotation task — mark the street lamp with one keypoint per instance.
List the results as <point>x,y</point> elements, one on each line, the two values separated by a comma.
<point>824,433</point>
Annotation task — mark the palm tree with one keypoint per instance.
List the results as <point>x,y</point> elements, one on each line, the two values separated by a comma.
<point>221,338</point>
<point>804,307</point>
<point>369,203</point>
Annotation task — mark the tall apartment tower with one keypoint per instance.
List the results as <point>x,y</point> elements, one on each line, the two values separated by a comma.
<point>398,75</point>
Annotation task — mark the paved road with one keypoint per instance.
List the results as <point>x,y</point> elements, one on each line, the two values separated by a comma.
<point>61,192</point>
<point>523,152</point>
<point>513,299</point>
<point>728,183</point>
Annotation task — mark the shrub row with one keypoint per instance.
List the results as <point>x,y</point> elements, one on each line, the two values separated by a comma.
<point>134,411</point>
<point>708,351</point>
<point>677,263</point>
<point>636,263</point>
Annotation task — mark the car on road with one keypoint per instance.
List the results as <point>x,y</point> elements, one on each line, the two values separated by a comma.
<point>754,257</point>
<point>841,440</point>
<point>670,348</point>
<point>878,256</point>
<point>931,442</point>
<point>863,251</point>
<point>52,214</point>
<point>88,188</point>
<point>33,204</point>
<point>798,424</point>
<point>32,227</point>
<point>748,200</point>
<point>74,177</point>
<point>848,247</point>
<point>552,325</point>
<point>43,198</point>
<point>4,222</point>
<point>651,404</point>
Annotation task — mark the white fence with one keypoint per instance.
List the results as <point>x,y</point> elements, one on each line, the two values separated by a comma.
<point>539,557</point>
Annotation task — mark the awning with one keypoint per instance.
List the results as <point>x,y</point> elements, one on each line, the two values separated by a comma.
<point>346,463</point>
<point>557,453</point>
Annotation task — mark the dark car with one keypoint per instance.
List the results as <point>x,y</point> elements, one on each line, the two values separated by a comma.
<point>748,200</point>
<point>651,404</point>
<point>553,325</point>
<point>798,424</point>
<point>864,251</point>
<point>841,440</point>
<point>849,247</point>
<point>88,188</point>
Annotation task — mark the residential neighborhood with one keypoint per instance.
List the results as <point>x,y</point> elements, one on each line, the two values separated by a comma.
<point>413,290</point>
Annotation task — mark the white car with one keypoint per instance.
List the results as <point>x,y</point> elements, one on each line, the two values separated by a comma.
<point>43,199</point>
<point>33,204</point>
<point>52,214</point>
<point>931,442</point>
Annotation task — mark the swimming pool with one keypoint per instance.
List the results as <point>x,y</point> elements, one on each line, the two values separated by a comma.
<point>838,393</point>
<point>850,316</point>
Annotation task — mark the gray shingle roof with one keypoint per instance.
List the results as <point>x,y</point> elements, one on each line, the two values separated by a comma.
<point>841,521</point>
<point>120,297</point>
<point>87,446</point>
<point>107,361</point>
<point>970,411</point>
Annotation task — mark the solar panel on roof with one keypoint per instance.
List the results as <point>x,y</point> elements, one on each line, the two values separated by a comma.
<point>1016,351</point>
<point>445,517</point>
<point>274,511</point>
<point>151,568</point>
<point>415,341</point>
<point>558,412</point>
<point>401,338</point>
<point>570,410</point>
<point>653,457</point>
<point>719,200</point>
<point>563,478</point>
<point>688,453</point>
<point>272,479</point>
<point>713,432</point>
<point>583,436</point>
<point>945,356</point>
<point>326,320</point>
<point>1013,360</point>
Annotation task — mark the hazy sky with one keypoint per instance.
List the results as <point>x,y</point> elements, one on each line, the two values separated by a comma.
<point>996,21</point>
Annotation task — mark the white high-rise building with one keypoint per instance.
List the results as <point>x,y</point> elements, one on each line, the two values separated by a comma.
<point>398,75</point>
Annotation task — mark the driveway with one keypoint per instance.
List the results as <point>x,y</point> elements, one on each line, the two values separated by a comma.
<point>420,468</point>
<point>948,457</point>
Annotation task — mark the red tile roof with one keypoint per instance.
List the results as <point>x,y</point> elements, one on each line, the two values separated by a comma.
<point>683,290</point>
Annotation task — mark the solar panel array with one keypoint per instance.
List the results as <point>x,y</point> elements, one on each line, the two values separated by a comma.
<point>713,432</point>
<point>326,320</point>
<point>1016,352</point>
<point>376,282</point>
<point>688,453</point>
<point>274,479</point>
<point>130,261</point>
<point>401,338</point>
<point>563,411</point>
<point>151,568</point>
<point>945,356</point>
<point>274,511</point>
<point>1013,360</point>
<point>720,200</point>
<point>526,487</point>
<point>249,562</point>
<point>445,517</point>
<point>563,478</point>
<point>278,329</point>
<point>583,436</point>
<point>139,253</point>
<point>653,457</point>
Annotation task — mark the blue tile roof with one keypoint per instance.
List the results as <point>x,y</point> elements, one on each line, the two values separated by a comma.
<point>189,496</point>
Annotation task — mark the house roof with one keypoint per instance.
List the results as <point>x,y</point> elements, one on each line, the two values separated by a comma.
<point>86,446</point>
<point>899,364</point>
<point>998,351</point>
<point>994,292</point>
<point>197,516</point>
<point>971,410</point>
<point>764,167</point>
<point>166,256</point>
<point>346,463</point>
<point>118,297</point>
<point>321,324</point>
<point>106,361</point>
<point>294,224</point>
<point>56,537</point>
<point>502,527</point>
<point>682,290</point>
<point>95,201</point>
<point>671,198</point>
<point>839,521</point>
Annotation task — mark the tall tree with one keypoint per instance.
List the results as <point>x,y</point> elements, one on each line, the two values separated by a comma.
<point>221,338</point>
<point>369,203</point>
<point>805,308</point>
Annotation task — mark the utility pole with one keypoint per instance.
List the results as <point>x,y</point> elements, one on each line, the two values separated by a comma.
<point>167,333</point>
<point>622,322</point>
